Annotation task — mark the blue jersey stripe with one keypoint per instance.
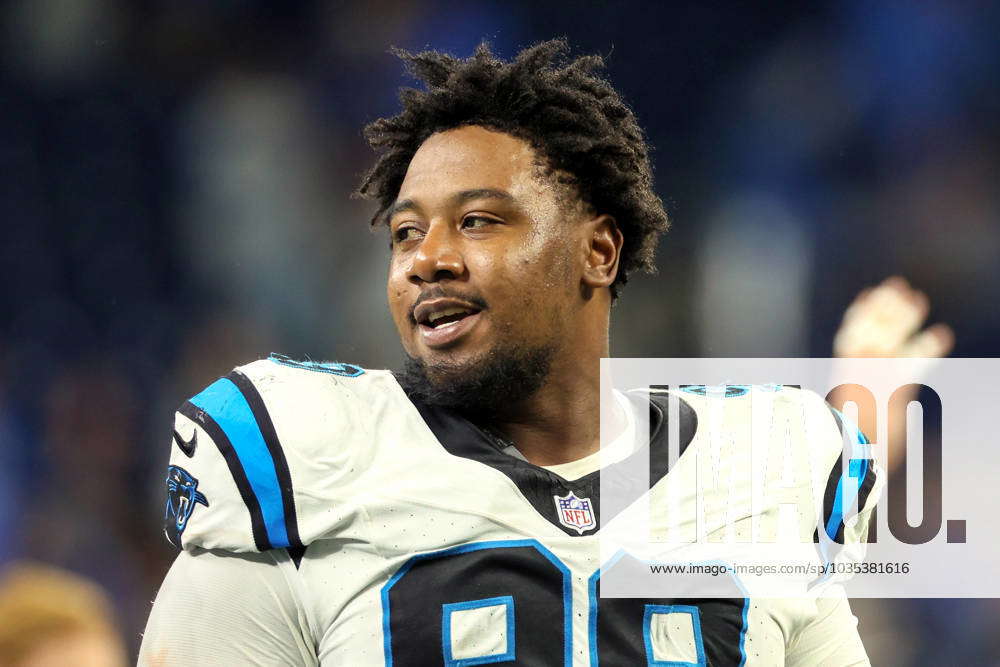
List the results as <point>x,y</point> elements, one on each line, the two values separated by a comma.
<point>224,402</point>
<point>843,486</point>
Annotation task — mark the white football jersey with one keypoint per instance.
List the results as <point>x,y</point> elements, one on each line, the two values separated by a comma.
<point>325,518</point>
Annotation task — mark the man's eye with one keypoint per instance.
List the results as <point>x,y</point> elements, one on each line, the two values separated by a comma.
<point>477,222</point>
<point>404,234</point>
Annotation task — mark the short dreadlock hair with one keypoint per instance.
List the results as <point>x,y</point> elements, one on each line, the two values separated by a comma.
<point>573,118</point>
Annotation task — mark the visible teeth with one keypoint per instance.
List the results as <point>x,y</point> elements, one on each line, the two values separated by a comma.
<point>434,317</point>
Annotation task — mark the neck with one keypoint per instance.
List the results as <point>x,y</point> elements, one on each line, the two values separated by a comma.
<point>561,420</point>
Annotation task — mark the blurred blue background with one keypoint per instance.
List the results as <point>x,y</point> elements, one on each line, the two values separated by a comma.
<point>175,200</point>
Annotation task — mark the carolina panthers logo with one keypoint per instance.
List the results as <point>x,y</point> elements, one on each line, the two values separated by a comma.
<point>732,390</point>
<point>332,367</point>
<point>182,496</point>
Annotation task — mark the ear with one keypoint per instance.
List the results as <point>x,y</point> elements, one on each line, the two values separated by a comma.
<point>604,248</point>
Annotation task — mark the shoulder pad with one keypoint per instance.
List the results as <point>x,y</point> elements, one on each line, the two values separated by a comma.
<point>259,453</point>
<point>845,479</point>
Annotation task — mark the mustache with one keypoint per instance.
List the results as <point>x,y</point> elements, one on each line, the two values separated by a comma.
<point>440,293</point>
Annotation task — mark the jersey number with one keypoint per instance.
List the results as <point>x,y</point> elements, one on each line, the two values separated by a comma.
<point>510,602</point>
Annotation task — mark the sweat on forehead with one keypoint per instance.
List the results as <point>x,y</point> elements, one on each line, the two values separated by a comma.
<point>457,166</point>
<point>474,162</point>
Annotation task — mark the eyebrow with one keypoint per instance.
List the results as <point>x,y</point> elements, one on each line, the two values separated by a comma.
<point>457,198</point>
<point>481,193</point>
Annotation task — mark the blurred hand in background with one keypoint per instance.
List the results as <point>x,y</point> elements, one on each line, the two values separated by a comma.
<point>887,321</point>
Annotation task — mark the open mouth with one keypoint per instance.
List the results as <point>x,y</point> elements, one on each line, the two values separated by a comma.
<point>447,317</point>
<point>443,321</point>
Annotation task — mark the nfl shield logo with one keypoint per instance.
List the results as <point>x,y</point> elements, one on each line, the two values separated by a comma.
<point>576,513</point>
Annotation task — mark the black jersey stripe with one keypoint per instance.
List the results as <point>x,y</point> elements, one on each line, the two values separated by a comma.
<point>867,484</point>
<point>296,554</point>
<point>225,447</point>
<point>270,436</point>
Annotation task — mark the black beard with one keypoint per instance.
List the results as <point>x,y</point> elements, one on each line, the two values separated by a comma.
<point>483,390</point>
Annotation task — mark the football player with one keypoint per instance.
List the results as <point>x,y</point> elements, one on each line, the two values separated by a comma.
<point>448,514</point>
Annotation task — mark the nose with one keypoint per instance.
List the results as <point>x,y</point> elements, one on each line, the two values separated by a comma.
<point>439,256</point>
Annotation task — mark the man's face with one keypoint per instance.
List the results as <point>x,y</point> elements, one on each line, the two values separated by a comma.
<point>484,261</point>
